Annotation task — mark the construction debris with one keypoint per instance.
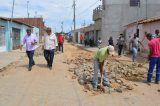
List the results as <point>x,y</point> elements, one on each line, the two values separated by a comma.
<point>120,73</point>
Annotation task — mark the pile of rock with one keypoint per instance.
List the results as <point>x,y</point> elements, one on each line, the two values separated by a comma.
<point>118,76</point>
<point>128,71</point>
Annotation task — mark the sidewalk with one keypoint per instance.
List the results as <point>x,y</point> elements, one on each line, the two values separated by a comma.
<point>7,58</point>
<point>88,48</point>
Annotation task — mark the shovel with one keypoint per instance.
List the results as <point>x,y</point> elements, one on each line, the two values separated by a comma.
<point>109,78</point>
<point>101,83</point>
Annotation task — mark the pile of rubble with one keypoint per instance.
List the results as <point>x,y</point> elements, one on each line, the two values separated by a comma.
<point>120,75</point>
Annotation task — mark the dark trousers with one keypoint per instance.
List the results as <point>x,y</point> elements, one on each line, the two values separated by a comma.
<point>154,61</point>
<point>49,56</point>
<point>60,45</point>
<point>30,55</point>
<point>120,48</point>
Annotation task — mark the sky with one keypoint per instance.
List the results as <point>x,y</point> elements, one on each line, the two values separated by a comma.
<point>54,12</point>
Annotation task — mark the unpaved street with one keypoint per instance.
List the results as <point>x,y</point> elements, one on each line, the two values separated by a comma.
<point>42,87</point>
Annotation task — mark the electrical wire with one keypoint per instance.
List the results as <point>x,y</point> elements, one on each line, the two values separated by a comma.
<point>87,8</point>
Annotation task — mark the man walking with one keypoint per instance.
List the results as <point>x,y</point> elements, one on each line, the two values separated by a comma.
<point>99,42</point>
<point>60,42</point>
<point>135,44</point>
<point>154,58</point>
<point>30,40</point>
<point>120,43</point>
<point>99,59</point>
<point>50,44</point>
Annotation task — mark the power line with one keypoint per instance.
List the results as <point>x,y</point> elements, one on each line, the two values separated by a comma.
<point>88,8</point>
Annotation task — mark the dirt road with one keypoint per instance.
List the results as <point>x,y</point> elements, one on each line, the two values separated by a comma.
<point>42,87</point>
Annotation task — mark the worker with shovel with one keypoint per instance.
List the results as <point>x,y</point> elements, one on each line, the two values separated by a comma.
<point>99,61</point>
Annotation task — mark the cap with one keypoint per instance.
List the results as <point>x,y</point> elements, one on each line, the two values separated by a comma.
<point>111,50</point>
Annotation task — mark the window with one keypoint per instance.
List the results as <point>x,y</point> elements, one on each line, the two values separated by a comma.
<point>134,2</point>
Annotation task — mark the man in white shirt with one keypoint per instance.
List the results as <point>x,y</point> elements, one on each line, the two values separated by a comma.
<point>50,44</point>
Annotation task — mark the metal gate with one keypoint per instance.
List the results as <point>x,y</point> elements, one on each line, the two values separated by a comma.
<point>2,38</point>
<point>16,38</point>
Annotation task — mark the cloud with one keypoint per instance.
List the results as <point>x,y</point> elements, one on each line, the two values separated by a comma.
<point>53,11</point>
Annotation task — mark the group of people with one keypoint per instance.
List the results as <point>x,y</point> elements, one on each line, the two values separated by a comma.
<point>153,57</point>
<point>51,43</point>
<point>89,42</point>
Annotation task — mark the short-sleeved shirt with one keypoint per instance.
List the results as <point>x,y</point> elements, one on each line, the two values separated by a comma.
<point>60,39</point>
<point>135,42</point>
<point>120,41</point>
<point>101,54</point>
<point>154,45</point>
<point>28,40</point>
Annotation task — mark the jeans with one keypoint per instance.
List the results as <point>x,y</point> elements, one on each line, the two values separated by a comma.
<point>49,56</point>
<point>154,61</point>
<point>96,70</point>
<point>134,53</point>
<point>30,55</point>
<point>60,45</point>
<point>120,47</point>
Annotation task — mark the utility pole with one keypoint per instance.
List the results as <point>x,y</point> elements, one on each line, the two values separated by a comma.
<point>138,18</point>
<point>11,24</point>
<point>74,15</point>
<point>27,9</point>
<point>62,26</point>
<point>146,9</point>
<point>35,20</point>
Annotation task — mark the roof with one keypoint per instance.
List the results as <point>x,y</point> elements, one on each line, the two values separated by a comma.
<point>9,19</point>
<point>154,19</point>
<point>150,20</point>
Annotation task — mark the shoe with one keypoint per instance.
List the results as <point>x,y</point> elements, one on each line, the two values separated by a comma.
<point>105,83</point>
<point>33,64</point>
<point>157,82</point>
<point>95,89</point>
<point>30,68</point>
<point>148,82</point>
<point>50,68</point>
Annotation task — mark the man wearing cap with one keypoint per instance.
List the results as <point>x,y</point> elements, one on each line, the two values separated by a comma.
<point>30,40</point>
<point>99,58</point>
<point>50,44</point>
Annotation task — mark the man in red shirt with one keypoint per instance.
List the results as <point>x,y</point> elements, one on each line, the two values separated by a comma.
<point>154,58</point>
<point>81,38</point>
<point>60,42</point>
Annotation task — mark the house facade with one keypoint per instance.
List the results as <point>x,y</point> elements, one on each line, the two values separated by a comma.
<point>144,26</point>
<point>12,33</point>
<point>118,13</point>
<point>37,22</point>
